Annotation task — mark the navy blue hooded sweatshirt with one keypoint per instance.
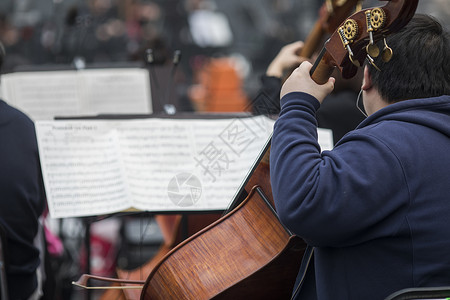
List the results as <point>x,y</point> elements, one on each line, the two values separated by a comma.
<point>376,207</point>
<point>22,199</point>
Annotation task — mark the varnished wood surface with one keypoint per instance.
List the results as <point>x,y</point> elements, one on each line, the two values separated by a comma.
<point>274,280</point>
<point>323,69</point>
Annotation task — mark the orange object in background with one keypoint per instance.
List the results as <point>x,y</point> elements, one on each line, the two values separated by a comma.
<point>219,88</point>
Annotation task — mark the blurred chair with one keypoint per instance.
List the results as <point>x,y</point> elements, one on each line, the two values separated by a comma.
<point>3,282</point>
<point>442,292</point>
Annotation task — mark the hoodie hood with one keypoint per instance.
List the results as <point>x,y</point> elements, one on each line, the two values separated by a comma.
<point>433,113</point>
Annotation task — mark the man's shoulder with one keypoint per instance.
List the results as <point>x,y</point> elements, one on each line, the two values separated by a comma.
<point>10,114</point>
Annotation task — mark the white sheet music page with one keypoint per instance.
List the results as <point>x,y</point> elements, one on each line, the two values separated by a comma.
<point>124,91</point>
<point>223,162</point>
<point>43,95</point>
<point>82,170</point>
<point>153,151</point>
<point>186,165</point>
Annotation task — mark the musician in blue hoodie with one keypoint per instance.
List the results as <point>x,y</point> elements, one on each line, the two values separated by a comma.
<point>376,208</point>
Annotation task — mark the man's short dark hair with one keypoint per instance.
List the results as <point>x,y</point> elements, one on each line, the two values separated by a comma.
<point>420,66</point>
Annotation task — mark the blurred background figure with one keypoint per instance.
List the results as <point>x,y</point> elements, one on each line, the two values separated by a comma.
<point>22,203</point>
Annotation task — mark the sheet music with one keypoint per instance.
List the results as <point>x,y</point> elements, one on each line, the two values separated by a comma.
<point>82,169</point>
<point>46,94</point>
<point>124,91</point>
<point>153,151</point>
<point>164,164</point>
<point>42,97</point>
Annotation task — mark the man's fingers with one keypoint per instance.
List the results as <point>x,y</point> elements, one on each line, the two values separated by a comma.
<point>330,84</point>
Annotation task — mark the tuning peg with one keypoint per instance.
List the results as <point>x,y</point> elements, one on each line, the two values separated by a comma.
<point>371,48</point>
<point>387,53</point>
<point>375,19</point>
<point>355,62</point>
<point>349,32</point>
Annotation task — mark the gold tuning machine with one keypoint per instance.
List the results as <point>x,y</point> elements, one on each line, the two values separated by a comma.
<point>348,32</point>
<point>375,19</point>
<point>371,48</point>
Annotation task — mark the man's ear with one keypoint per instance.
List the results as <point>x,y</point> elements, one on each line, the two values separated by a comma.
<point>367,80</point>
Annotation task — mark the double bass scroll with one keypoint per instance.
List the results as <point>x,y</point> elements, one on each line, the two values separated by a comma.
<point>350,45</point>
